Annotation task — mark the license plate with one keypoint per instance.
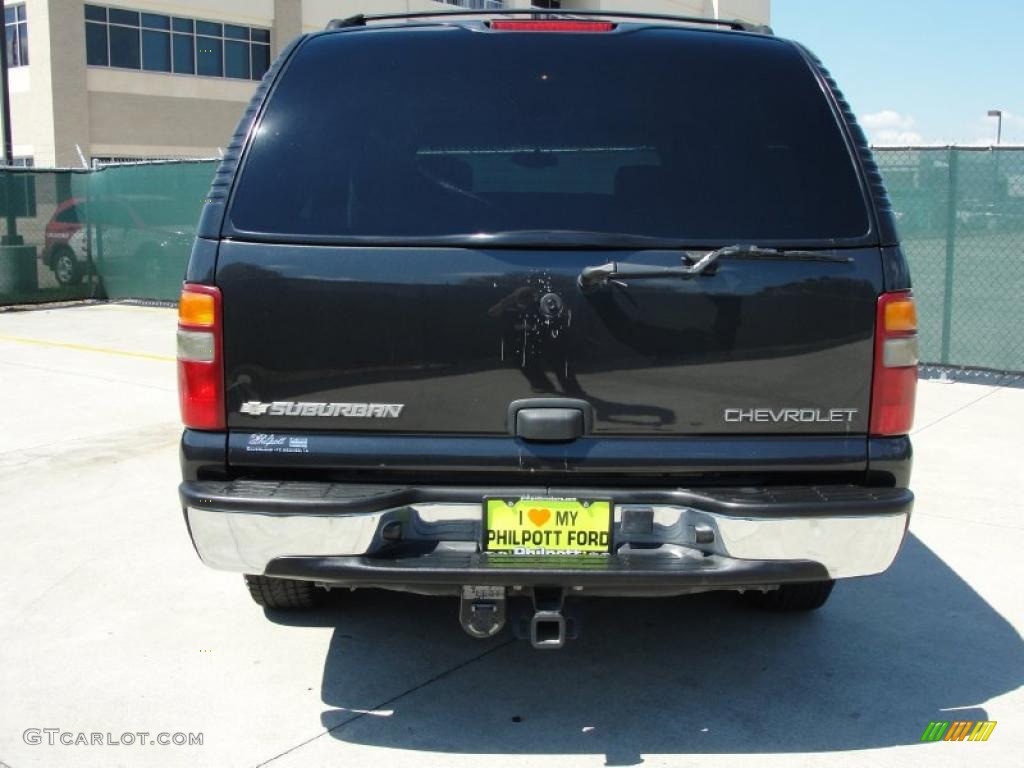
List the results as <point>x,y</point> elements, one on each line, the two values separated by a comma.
<point>547,526</point>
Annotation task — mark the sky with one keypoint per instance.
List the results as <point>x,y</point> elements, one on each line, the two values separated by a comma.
<point>919,71</point>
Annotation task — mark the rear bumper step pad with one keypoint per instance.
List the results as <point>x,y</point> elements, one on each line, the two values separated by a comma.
<point>639,571</point>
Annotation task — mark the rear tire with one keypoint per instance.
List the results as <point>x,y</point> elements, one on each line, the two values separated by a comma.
<point>283,594</point>
<point>66,267</point>
<point>788,598</point>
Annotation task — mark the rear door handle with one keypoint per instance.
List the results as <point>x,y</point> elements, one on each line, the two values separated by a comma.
<point>550,419</point>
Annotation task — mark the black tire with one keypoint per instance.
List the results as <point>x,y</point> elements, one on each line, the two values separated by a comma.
<point>66,268</point>
<point>283,594</point>
<point>787,598</point>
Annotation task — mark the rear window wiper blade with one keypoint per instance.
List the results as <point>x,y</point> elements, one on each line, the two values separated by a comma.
<point>617,271</point>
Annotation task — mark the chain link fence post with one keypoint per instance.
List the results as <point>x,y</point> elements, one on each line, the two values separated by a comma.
<point>947,286</point>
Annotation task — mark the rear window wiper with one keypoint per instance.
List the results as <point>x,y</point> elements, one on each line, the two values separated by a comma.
<point>617,271</point>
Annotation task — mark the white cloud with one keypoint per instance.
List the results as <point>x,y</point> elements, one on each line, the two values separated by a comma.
<point>887,119</point>
<point>891,128</point>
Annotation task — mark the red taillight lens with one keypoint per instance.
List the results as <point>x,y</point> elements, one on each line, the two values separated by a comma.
<point>894,386</point>
<point>200,361</point>
<point>553,26</point>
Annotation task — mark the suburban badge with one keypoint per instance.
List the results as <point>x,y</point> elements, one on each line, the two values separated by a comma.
<point>347,410</point>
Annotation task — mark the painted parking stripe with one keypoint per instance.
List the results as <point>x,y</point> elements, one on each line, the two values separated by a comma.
<point>87,348</point>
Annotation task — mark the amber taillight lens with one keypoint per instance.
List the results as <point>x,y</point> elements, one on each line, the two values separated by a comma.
<point>200,361</point>
<point>894,384</point>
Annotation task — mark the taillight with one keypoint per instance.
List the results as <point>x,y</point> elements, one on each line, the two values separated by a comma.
<point>553,26</point>
<point>200,362</point>
<point>895,376</point>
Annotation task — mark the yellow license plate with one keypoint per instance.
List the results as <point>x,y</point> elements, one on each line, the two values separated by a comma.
<point>547,526</point>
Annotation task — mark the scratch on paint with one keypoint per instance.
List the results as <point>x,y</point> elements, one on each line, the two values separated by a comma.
<point>503,350</point>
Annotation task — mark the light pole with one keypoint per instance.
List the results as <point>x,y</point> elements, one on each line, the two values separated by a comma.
<point>11,237</point>
<point>998,114</point>
<point>8,148</point>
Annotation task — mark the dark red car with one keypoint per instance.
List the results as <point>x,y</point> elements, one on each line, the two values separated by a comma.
<point>64,247</point>
<point>138,234</point>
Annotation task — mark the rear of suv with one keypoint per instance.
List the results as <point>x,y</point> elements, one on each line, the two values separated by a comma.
<point>527,309</point>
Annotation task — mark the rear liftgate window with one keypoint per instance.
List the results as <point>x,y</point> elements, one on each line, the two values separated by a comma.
<point>682,134</point>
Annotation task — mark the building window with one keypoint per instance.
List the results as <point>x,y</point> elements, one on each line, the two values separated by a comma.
<point>125,50</point>
<point>184,54</point>
<point>209,56</point>
<point>154,42</point>
<point>16,28</point>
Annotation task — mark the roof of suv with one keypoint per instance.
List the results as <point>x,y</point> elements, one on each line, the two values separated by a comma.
<point>361,20</point>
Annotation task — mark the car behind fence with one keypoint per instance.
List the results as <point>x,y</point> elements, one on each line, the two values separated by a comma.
<point>125,231</point>
<point>114,232</point>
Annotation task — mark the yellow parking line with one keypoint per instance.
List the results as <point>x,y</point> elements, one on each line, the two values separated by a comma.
<point>87,348</point>
<point>132,308</point>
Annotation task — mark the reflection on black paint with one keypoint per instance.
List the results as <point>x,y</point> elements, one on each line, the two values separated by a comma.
<point>457,333</point>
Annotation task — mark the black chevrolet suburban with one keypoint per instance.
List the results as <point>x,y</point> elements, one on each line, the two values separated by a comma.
<point>527,308</point>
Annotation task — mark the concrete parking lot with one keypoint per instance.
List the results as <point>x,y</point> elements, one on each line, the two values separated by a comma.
<point>109,623</point>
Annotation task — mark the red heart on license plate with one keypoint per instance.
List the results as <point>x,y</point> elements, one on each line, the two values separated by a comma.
<point>539,516</point>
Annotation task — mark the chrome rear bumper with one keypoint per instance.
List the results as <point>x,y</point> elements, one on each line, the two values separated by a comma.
<point>846,533</point>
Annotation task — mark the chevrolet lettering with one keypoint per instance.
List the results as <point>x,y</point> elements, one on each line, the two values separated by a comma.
<point>781,415</point>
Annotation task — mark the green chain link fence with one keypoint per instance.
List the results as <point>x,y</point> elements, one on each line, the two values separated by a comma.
<point>36,239</point>
<point>960,213</point>
<point>126,232</point>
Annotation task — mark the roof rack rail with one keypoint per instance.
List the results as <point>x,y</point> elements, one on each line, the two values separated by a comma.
<point>361,20</point>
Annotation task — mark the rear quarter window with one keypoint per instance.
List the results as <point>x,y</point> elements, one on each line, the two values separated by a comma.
<point>695,135</point>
